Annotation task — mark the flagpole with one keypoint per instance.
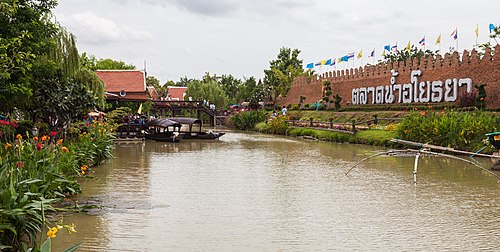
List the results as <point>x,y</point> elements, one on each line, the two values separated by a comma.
<point>456,29</point>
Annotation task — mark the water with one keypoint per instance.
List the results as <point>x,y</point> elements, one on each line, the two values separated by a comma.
<point>254,192</point>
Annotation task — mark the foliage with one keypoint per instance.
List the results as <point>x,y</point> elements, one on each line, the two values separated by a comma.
<point>117,115</point>
<point>480,101</point>
<point>403,55</point>
<point>208,90</point>
<point>277,125</point>
<point>327,92</point>
<point>460,130</point>
<point>25,29</point>
<point>110,64</point>
<point>337,100</point>
<point>250,91</point>
<point>248,119</point>
<point>279,77</point>
<point>37,172</point>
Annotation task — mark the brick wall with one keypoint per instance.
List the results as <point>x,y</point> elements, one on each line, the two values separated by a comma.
<point>485,70</point>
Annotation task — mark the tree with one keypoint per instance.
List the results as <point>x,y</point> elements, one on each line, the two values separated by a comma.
<point>110,64</point>
<point>231,86</point>
<point>208,90</point>
<point>404,54</point>
<point>24,28</point>
<point>279,77</point>
<point>251,91</point>
<point>327,93</point>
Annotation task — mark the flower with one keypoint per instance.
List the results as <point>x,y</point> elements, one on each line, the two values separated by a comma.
<point>44,138</point>
<point>19,136</point>
<point>64,149</point>
<point>53,134</point>
<point>406,131</point>
<point>35,138</point>
<point>83,168</point>
<point>83,172</point>
<point>59,142</point>
<point>7,146</point>
<point>71,228</point>
<point>39,146</point>
<point>84,133</point>
<point>52,232</point>
<point>19,164</point>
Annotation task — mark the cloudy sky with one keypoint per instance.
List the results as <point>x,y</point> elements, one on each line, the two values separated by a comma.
<point>180,38</point>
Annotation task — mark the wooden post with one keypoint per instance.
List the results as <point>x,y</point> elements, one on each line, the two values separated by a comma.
<point>375,121</point>
<point>353,126</point>
<point>310,122</point>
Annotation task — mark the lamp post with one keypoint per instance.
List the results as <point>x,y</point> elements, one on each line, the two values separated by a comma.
<point>34,131</point>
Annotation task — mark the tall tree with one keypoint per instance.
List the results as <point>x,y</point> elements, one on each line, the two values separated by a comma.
<point>110,64</point>
<point>208,90</point>
<point>279,77</point>
<point>24,27</point>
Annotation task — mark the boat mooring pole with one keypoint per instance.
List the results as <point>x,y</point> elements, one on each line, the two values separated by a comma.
<point>415,168</point>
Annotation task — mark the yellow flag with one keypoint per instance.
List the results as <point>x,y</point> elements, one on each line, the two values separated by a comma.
<point>323,62</point>
<point>140,109</point>
<point>408,47</point>
<point>438,40</point>
<point>477,30</point>
<point>360,54</point>
<point>383,53</point>
<point>340,59</point>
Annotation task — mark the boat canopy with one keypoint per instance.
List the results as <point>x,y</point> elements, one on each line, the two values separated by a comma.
<point>163,123</point>
<point>186,120</point>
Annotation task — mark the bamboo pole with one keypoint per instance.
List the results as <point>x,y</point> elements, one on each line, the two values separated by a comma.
<point>436,147</point>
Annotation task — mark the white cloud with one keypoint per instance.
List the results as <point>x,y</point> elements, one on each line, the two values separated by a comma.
<point>94,29</point>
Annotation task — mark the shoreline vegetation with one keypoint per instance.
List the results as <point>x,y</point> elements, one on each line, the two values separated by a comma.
<point>461,130</point>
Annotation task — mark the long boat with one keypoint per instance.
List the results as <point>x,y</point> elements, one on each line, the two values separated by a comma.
<point>163,130</point>
<point>193,130</point>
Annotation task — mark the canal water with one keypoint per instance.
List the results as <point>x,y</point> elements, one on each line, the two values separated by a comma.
<point>255,192</point>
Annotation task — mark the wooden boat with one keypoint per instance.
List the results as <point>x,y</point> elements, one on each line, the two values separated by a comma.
<point>163,130</point>
<point>189,132</point>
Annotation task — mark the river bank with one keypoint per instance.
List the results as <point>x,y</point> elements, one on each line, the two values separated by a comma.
<point>463,130</point>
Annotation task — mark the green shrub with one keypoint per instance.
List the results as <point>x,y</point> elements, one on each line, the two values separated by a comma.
<point>460,130</point>
<point>248,119</point>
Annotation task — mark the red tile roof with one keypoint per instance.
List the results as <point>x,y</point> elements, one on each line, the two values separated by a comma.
<point>128,80</point>
<point>176,92</point>
<point>153,94</point>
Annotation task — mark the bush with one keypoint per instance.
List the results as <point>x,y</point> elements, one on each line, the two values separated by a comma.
<point>460,130</point>
<point>248,119</point>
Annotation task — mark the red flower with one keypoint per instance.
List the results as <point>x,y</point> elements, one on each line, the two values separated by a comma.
<point>53,134</point>
<point>39,146</point>
<point>93,139</point>
<point>19,164</point>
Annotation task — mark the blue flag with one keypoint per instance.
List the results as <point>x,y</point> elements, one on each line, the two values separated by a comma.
<point>310,65</point>
<point>328,62</point>
<point>387,47</point>
<point>492,27</point>
<point>373,53</point>
<point>333,62</point>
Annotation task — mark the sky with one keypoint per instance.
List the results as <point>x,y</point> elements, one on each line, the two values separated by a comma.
<point>188,38</point>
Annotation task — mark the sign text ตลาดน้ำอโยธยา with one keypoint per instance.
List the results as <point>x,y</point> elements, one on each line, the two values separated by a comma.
<point>415,91</point>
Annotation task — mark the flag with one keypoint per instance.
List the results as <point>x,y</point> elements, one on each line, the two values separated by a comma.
<point>422,41</point>
<point>394,48</point>
<point>328,62</point>
<point>438,40</point>
<point>360,54</point>
<point>408,47</point>
<point>372,54</point>
<point>310,65</point>
<point>492,27</point>
<point>333,62</point>
<point>383,53</point>
<point>323,62</point>
<point>140,109</point>
<point>340,59</point>
<point>350,55</point>
<point>477,31</point>
<point>345,58</point>
<point>454,34</point>
<point>318,63</point>
<point>387,47</point>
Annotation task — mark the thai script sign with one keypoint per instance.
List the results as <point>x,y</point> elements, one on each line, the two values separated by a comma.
<point>415,91</point>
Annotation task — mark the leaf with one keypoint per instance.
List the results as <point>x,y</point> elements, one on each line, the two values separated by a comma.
<point>73,248</point>
<point>46,246</point>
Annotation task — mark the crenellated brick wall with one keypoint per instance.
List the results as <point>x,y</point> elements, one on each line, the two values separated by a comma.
<point>485,70</point>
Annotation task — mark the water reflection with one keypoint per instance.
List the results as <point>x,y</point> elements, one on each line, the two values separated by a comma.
<point>255,192</point>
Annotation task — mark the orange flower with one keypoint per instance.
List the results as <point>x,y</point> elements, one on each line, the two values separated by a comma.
<point>84,133</point>
<point>59,142</point>
<point>44,138</point>
<point>84,167</point>
<point>7,146</point>
<point>52,232</point>
<point>406,131</point>
<point>35,138</point>
<point>64,149</point>
<point>19,136</point>
<point>83,172</point>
